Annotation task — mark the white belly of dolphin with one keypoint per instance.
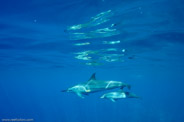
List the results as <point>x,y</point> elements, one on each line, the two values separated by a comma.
<point>116,95</point>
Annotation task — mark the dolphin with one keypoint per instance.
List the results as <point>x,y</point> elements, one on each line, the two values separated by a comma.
<point>93,85</point>
<point>113,96</point>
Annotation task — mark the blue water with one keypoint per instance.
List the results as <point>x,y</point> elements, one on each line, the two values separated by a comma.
<point>40,56</point>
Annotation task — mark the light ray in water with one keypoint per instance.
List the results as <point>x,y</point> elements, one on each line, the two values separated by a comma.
<point>112,57</point>
<point>111,42</point>
<point>83,57</point>
<point>101,55</point>
<point>94,21</point>
<point>93,63</point>
<point>99,33</point>
<point>82,44</point>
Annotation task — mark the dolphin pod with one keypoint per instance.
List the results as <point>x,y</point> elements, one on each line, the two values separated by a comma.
<point>93,85</point>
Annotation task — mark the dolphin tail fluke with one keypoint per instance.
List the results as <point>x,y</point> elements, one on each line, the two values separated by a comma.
<point>138,97</point>
<point>63,90</point>
<point>129,87</point>
<point>131,95</point>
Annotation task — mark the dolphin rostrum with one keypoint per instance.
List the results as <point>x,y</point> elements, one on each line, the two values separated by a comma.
<point>113,96</point>
<point>93,85</point>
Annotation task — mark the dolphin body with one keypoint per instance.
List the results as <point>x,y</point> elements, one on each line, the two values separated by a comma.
<point>113,96</point>
<point>93,85</point>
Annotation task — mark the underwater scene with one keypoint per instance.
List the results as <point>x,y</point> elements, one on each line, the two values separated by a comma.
<point>92,61</point>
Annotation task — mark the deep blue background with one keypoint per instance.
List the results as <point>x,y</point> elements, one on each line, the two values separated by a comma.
<point>37,61</point>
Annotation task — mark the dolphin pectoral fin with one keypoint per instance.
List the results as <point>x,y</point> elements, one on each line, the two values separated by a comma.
<point>113,100</point>
<point>79,94</point>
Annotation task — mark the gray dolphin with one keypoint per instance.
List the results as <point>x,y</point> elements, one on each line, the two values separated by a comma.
<point>93,85</point>
<point>113,96</point>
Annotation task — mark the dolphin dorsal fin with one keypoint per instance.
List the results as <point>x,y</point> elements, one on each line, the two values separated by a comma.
<point>92,77</point>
